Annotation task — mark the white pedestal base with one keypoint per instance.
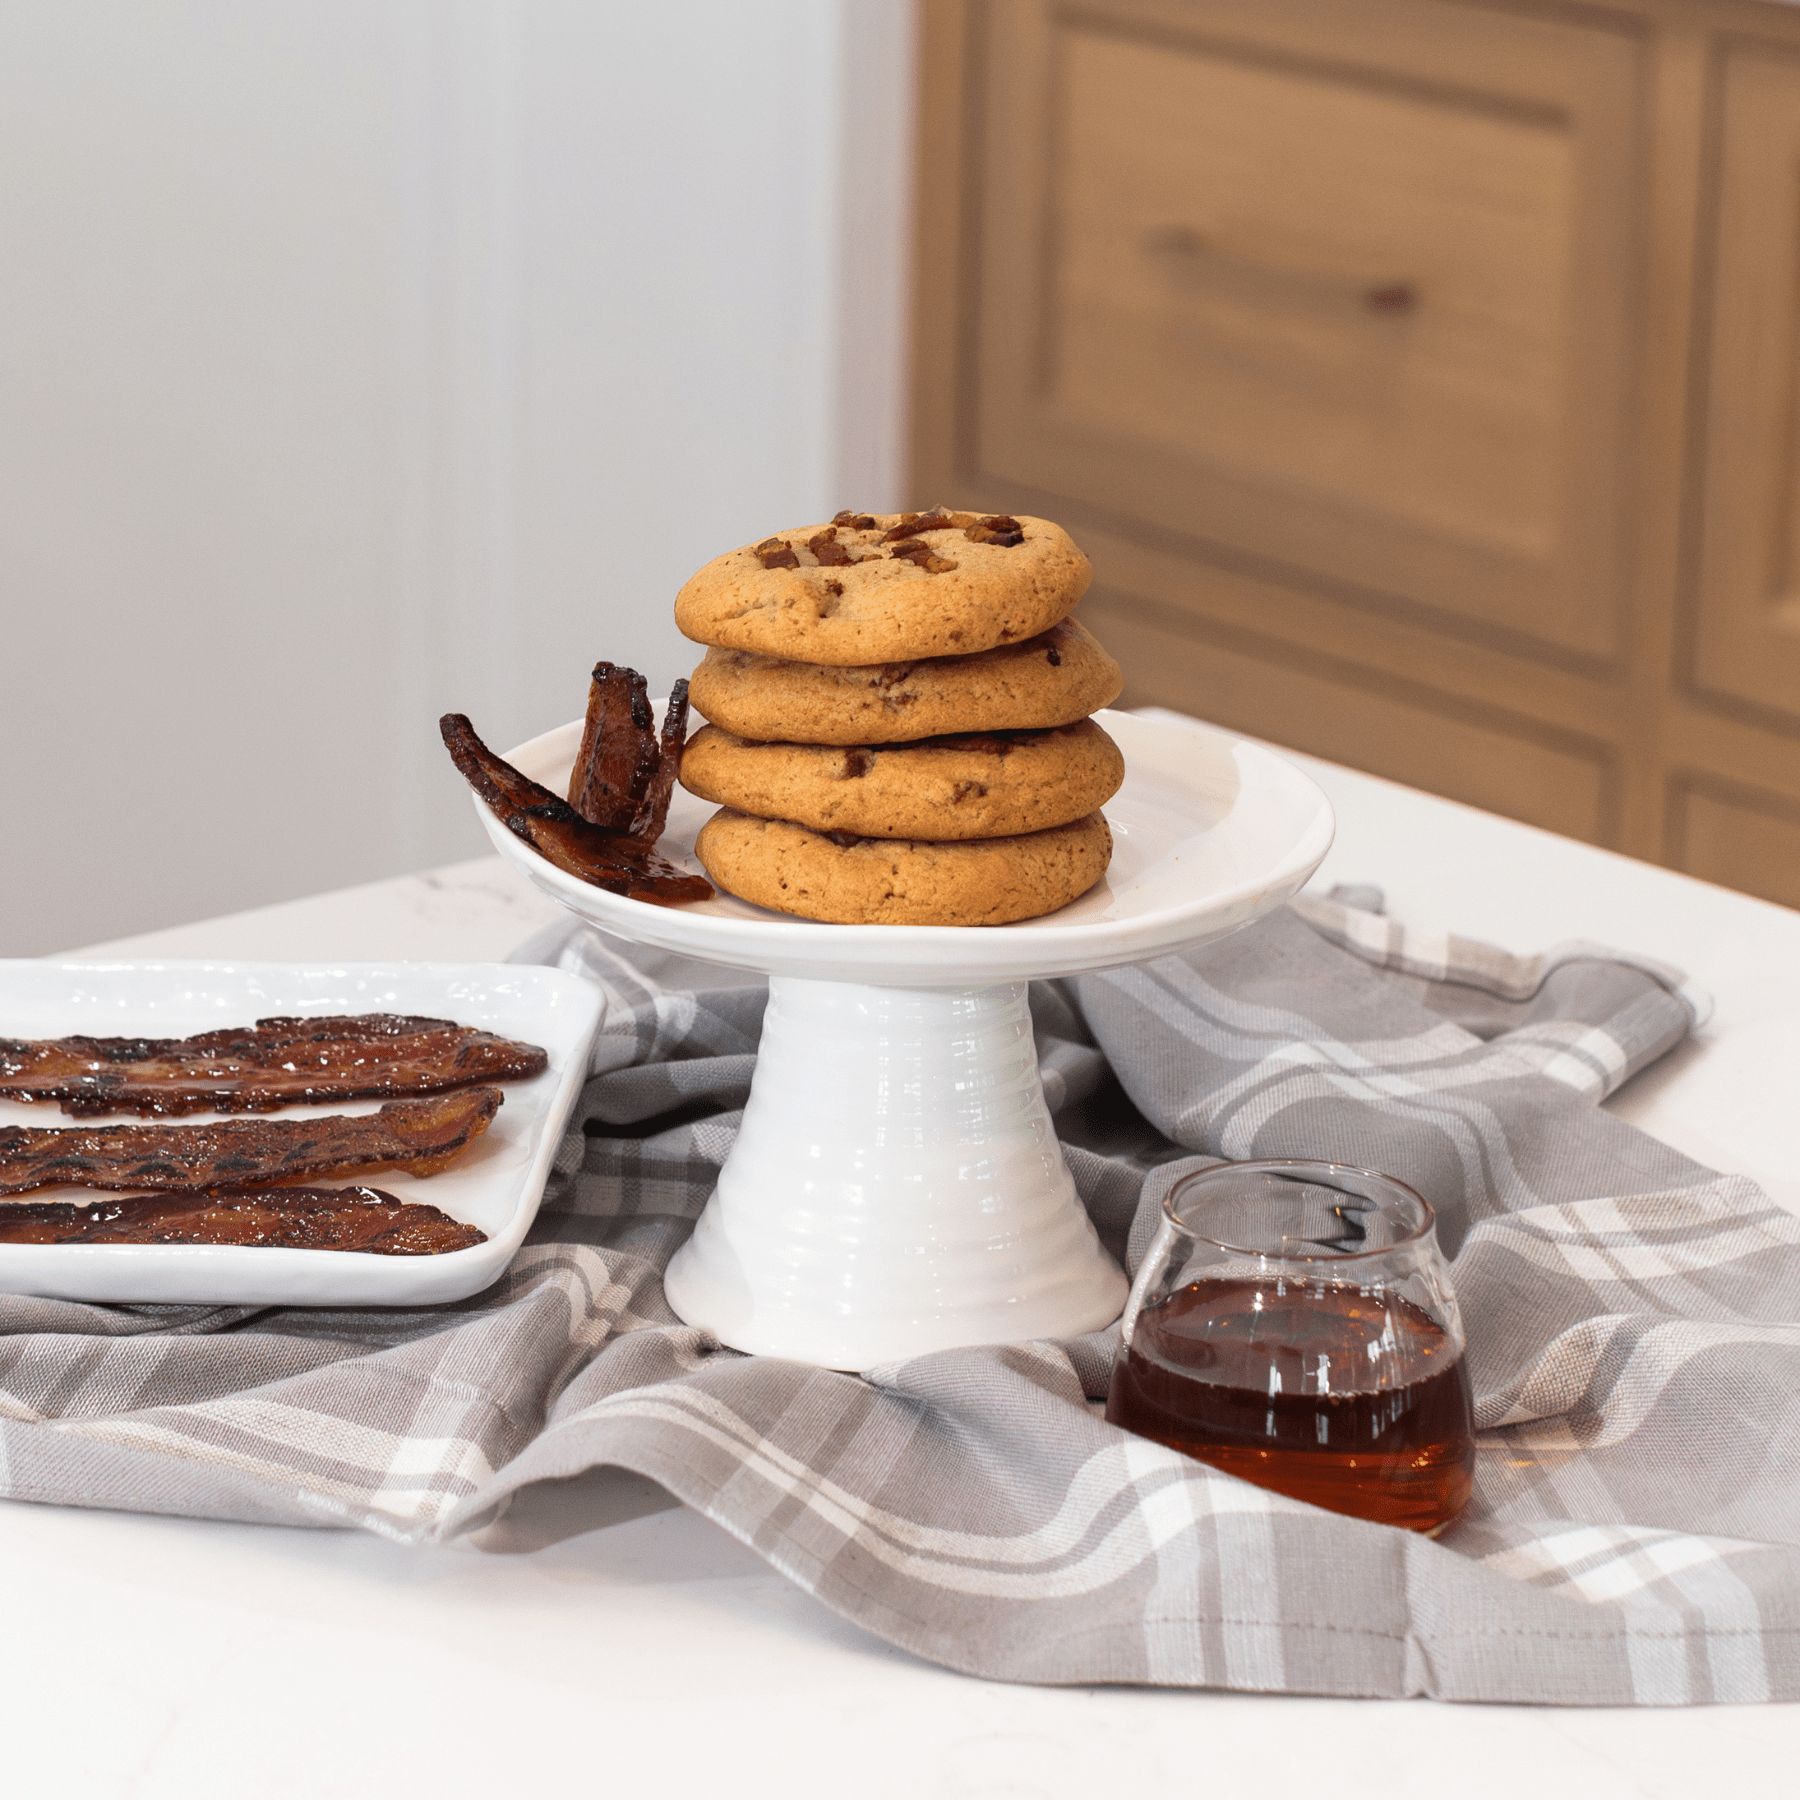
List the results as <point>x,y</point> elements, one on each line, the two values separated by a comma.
<point>897,1186</point>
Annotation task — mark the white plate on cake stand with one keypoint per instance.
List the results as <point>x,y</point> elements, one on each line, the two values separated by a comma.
<point>495,1184</point>
<point>897,1187</point>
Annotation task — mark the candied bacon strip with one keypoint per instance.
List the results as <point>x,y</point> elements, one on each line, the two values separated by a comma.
<point>653,815</point>
<point>568,845</point>
<point>274,1063</point>
<point>553,828</point>
<point>353,1218</point>
<point>502,786</point>
<point>618,757</point>
<point>419,1136</point>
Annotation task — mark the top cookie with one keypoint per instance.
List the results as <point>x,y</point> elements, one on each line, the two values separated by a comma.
<point>883,587</point>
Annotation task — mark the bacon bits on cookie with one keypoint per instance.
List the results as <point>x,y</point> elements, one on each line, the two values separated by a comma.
<point>987,784</point>
<point>1055,678</point>
<point>886,587</point>
<point>888,881</point>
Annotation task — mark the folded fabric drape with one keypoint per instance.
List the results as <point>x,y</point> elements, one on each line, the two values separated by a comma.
<point>1631,1319</point>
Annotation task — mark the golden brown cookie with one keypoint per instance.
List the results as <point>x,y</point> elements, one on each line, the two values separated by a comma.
<point>888,881</point>
<point>978,785</point>
<point>1052,679</point>
<point>871,588</point>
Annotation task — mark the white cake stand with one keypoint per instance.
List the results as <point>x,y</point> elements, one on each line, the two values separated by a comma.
<point>897,1186</point>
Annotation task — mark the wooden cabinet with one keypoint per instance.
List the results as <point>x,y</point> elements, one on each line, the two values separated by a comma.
<point>1421,376</point>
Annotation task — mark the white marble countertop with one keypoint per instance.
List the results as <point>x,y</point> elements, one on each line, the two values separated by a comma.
<point>151,1657</point>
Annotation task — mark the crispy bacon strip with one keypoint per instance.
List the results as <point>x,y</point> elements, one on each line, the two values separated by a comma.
<point>296,1218</point>
<point>618,757</point>
<point>260,1067</point>
<point>553,828</point>
<point>419,1136</point>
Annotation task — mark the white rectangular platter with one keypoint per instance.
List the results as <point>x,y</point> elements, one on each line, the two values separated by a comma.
<point>496,1185</point>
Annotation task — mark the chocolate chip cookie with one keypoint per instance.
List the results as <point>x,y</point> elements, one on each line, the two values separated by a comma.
<point>974,785</point>
<point>886,587</point>
<point>889,881</point>
<point>1052,679</point>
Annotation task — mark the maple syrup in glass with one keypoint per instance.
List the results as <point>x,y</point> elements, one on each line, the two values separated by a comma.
<point>1293,1324</point>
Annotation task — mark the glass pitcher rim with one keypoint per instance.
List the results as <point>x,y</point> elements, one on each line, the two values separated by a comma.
<point>1424,1230</point>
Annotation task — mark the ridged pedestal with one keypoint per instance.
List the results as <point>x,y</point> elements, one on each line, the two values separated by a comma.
<point>897,1186</point>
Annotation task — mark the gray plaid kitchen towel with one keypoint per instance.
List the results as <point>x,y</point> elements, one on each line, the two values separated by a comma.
<point>1632,1325</point>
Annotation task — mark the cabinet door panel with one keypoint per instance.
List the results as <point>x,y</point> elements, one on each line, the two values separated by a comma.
<point>1482,758</point>
<point>1740,839</point>
<point>1361,308</point>
<point>1747,630</point>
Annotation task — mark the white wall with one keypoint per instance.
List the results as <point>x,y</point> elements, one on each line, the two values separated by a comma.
<point>366,359</point>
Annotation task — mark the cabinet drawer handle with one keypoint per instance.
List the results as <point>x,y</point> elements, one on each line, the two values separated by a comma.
<point>1186,249</point>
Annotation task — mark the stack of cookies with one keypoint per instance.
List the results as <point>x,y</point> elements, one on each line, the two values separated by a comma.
<point>899,720</point>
